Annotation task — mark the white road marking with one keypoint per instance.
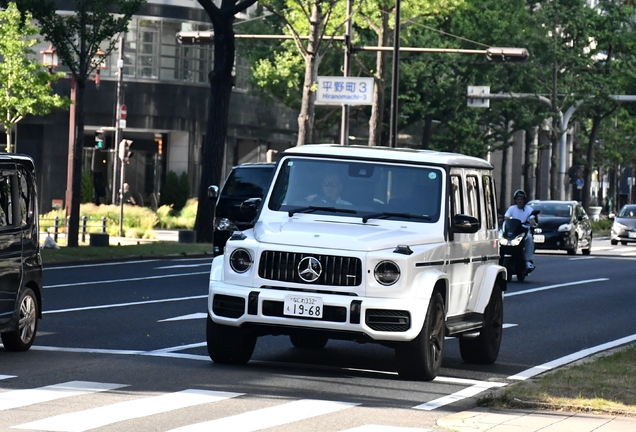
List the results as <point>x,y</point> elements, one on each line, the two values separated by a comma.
<point>85,350</point>
<point>529,373</point>
<point>457,396</point>
<point>97,417</point>
<point>601,248</point>
<point>75,284</point>
<point>21,398</point>
<point>549,287</point>
<point>208,264</point>
<point>116,305</point>
<point>179,348</point>
<point>383,428</point>
<point>270,417</point>
<point>582,258</point>
<point>4,377</point>
<point>628,254</point>
<point>509,325</point>
<point>198,315</point>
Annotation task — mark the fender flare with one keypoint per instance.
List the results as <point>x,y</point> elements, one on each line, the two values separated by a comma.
<point>488,276</point>
<point>425,283</point>
<point>216,271</point>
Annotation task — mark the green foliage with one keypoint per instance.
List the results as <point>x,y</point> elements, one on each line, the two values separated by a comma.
<point>24,83</point>
<point>184,191</point>
<point>169,219</point>
<point>87,187</point>
<point>170,190</point>
<point>601,226</point>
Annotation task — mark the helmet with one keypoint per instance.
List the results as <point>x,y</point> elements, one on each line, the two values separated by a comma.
<point>521,193</point>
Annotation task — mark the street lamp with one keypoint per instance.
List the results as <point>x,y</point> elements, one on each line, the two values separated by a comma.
<point>98,61</point>
<point>50,59</point>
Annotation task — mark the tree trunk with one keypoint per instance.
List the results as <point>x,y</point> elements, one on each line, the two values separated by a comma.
<point>427,132</point>
<point>503,188</point>
<point>307,114</point>
<point>589,165</point>
<point>377,109</point>
<point>529,163</point>
<point>8,150</point>
<point>221,83</point>
<point>78,149</point>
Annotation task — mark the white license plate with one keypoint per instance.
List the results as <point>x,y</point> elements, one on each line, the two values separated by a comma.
<point>539,238</point>
<point>303,306</point>
<point>631,234</point>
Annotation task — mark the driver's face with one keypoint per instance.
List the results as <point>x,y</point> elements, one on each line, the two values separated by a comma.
<point>331,187</point>
<point>520,201</point>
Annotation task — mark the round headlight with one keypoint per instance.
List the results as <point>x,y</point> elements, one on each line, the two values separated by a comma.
<point>240,260</point>
<point>387,272</point>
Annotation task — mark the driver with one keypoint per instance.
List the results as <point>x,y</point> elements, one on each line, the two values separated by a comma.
<point>331,187</point>
<point>520,210</point>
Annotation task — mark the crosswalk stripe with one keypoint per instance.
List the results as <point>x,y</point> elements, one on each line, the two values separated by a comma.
<point>96,417</point>
<point>462,394</point>
<point>383,428</point>
<point>269,417</point>
<point>4,377</point>
<point>21,398</point>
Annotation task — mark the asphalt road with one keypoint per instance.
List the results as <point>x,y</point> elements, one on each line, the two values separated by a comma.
<point>122,347</point>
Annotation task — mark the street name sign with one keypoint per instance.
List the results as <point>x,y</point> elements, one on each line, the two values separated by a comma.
<point>344,91</point>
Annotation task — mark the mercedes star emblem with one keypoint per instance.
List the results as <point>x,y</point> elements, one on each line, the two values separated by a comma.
<point>309,269</point>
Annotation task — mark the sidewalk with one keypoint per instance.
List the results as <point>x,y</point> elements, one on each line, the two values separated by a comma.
<point>485,419</point>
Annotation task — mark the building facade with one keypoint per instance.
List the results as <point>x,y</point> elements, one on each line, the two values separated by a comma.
<point>166,92</point>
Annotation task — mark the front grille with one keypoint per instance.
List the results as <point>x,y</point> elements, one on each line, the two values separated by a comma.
<point>228,306</point>
<point>336,270</point>
<point>330,313</point>
<point>388,320</point>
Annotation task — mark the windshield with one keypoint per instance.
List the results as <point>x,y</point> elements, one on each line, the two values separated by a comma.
<point>628,212</point>
<point>248,182</point>
<point>358,189</point>
<point>553,210</point>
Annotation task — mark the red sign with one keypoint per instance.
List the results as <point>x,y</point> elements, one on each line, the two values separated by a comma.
<point>122,112</point>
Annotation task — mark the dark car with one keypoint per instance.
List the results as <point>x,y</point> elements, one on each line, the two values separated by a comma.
<point>563,225</point>
<point>249,181</point>
<point>624,226</point>
<point>21,275</point>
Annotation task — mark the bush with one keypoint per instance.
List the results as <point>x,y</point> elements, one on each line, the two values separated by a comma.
<point>86,194</point>
<point>601,225</point>
<point>170,190</point>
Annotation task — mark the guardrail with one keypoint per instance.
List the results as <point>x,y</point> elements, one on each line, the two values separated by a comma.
<point>86,225</point>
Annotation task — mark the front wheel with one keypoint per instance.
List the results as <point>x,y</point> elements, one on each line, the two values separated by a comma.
<point>23,336</point>
<point>484,349</point>
<point>589,248</point>
<point>575,246</point>
<point>421,358</point>
<point>229,345</point>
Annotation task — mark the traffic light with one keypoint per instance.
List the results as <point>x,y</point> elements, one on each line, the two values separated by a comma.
<point>124,150</point>
<point>100,139</point>
<point>500,55</point>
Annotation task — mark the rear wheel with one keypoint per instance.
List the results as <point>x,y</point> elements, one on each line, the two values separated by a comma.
<point>484,349</point>
<point>624,243</point>
<point>588,250</point>
<point>23,336</point>
<point>229,345</point>
<point>308,340</point>
<point>614,242</point>
<point>421,358</point>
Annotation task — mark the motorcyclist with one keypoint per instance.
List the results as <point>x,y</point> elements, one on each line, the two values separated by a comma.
<point>520,210</point>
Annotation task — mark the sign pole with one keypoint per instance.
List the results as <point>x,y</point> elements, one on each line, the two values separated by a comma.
<point>344,126</point>
<point>120,79</point>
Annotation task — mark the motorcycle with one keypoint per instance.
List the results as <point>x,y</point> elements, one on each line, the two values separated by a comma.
<point>512,237</point>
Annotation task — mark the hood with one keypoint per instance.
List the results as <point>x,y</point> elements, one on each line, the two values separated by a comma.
<point>630,223</point>
<point>329,234</point>
<point>553,223</point>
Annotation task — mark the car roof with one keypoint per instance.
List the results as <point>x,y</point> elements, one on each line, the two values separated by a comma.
<point>255,165</point>
<point>553,202</point>
<point>390,154</point>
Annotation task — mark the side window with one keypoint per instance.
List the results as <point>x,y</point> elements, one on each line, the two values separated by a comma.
<point>457,203</point>
<point>6,201</point>
<point>25,196</point>
<point>472,196</point>
<point>489,202</point>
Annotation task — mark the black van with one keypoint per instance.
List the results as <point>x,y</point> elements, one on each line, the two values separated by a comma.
<point>245,181</point>
<point>21,276</point>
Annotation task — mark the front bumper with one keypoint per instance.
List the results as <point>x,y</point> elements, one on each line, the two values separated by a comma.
<point>378,319</point>
<point>554,240</point>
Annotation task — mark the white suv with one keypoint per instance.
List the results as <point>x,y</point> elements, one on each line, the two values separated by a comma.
<point>393,246</point>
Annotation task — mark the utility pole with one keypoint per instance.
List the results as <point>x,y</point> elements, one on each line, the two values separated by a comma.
<point>344,126</point>
<point>395,79</point>
<point>120,79</point>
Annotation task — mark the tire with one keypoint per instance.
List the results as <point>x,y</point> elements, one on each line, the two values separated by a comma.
<point>624,243</point>
<point>229,345</point>
<point>575,247</point>
<point>421,358</point>
<point>484,349</point>
<point>614,242</point>
<point>589,248</point>
<point>521,276</point>
<point>23,336</point>
<point>308,340</point>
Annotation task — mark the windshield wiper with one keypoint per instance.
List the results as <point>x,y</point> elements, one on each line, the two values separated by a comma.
<point>385,215</point>
<point>311,209</point>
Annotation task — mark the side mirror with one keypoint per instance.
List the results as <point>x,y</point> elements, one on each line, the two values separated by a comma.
<point>611,216</point>
<point>535,212</point>
<point>213,192</point>
<point>465,224</point>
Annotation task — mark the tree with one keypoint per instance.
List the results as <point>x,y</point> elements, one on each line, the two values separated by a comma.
<point>221,83</point>
<point>24,84</point>
<point>76,39</point>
